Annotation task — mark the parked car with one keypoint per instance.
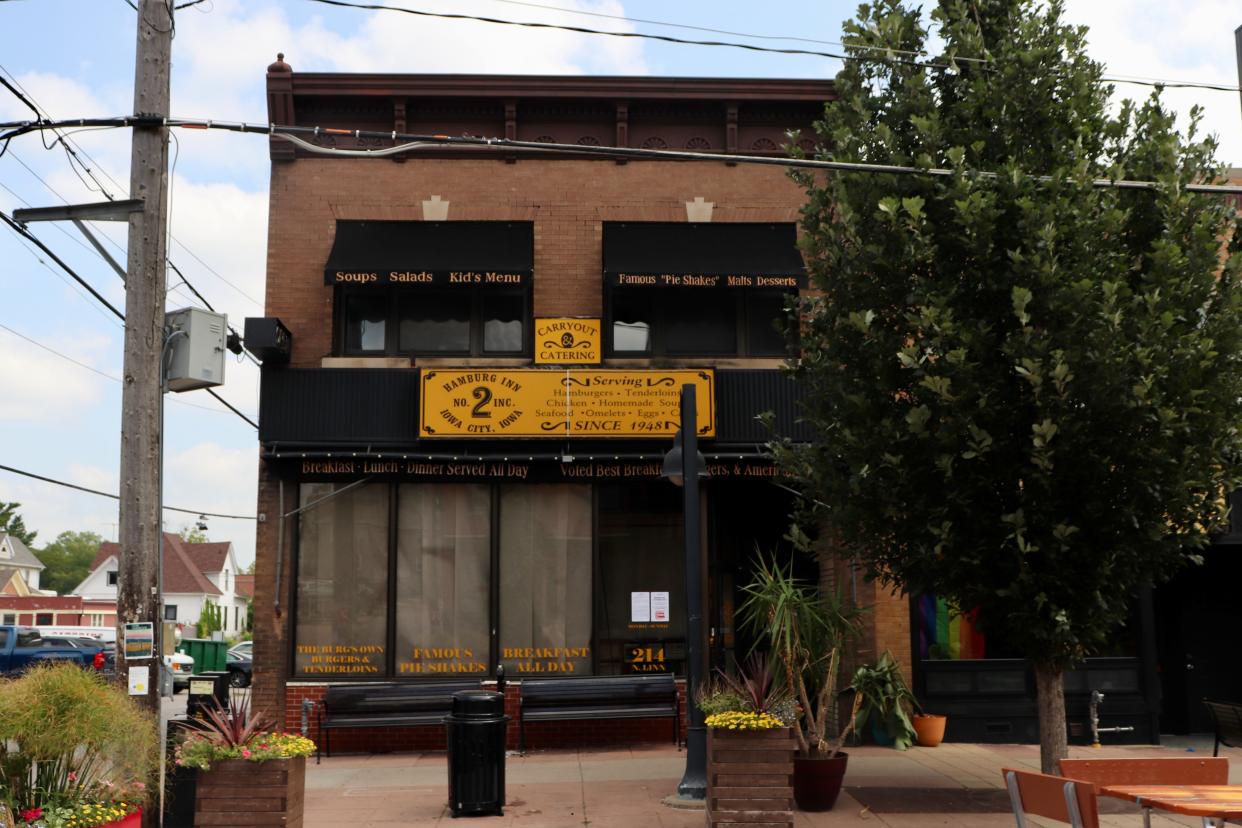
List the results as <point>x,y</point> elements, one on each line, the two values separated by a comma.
<point>182,667</point>
<point>239,669</point>
<point>243,648</point>
<point>22,646</point>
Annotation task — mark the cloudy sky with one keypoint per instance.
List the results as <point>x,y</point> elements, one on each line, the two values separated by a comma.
<point>60,352</point>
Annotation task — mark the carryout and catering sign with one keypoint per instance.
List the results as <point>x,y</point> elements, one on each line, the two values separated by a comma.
<point>567,341</point>
<point>578,402</point>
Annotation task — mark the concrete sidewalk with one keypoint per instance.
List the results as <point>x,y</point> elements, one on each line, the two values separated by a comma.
<point>951,785</point>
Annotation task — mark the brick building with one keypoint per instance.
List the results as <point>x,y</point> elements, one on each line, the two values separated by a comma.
<point>453,519</point>
<point>471,363</point>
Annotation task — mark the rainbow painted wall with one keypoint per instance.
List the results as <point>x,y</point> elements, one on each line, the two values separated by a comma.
<point>944,634</point>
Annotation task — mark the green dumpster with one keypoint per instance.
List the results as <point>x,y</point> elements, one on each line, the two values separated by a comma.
<point>209,656</point>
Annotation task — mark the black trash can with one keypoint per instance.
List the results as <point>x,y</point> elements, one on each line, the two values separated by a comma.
<point>476,753</point>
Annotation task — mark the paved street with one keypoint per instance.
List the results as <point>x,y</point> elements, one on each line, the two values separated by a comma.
<point>952,785</point>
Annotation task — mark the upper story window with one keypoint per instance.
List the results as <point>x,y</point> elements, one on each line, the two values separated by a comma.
<point>432,288</point>
<point>112,576</point>
<point>678,289</point>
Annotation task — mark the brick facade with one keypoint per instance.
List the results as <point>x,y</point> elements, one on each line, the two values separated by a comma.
<point>567,199</point>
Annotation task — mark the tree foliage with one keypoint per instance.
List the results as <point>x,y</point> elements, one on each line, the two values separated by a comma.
<point>11,523</point>
<point>193,534</point>
<point>68,560</point>
<point>1024,390</point>
<point>210,619</point>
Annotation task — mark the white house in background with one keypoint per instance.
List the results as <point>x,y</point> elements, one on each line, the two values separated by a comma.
<point>193,574</point>
<point>17,556</point>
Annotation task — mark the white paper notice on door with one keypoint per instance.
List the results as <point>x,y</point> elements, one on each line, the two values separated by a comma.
<point>640,607</point>
<point>659,607</point>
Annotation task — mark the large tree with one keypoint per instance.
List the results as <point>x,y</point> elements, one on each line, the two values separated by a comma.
<point>11,523</point>
<point>1025,387</point>
<point>68,560</point>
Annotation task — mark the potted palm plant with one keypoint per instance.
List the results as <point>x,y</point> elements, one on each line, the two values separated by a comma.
<point>805,631</point>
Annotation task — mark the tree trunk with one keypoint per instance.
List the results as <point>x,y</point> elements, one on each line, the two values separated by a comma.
<point>1050,702</point>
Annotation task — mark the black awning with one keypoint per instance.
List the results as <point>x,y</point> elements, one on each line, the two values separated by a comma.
<point>430,253</point>
<point>728,255</point>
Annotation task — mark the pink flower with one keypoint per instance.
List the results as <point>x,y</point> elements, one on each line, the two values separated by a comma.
<point>142,786</point>
<point>32,814</point>
<point>73,777</point>
<point>246,753</point>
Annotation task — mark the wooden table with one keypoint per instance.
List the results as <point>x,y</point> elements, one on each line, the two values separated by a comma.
<point>1219,802</point>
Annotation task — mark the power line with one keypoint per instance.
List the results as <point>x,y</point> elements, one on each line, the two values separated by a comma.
<point>749,35</point>
<point>747,46</point>
<point>74,162</point>
<point>30,236</point>
<point>107,376</point>
<point>418,141</point>
<point>61,276</point>
<point>26,234</point>
<point>633,35</point>
<point>56,482</point>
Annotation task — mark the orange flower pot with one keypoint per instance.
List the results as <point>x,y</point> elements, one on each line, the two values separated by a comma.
<point>929,728</point>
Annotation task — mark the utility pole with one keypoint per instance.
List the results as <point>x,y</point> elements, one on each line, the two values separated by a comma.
<point>1237,42</point>
<point>138,586</point>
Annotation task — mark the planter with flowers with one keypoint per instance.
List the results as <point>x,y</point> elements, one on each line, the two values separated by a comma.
<point>750,748</point>
<point>75,752</point>
<point>245,771</point>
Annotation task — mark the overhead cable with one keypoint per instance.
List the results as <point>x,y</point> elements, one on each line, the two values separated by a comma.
<point>22,231</point>
<point>67,485</point>
<point>950,65</point>
<point>416,139</point>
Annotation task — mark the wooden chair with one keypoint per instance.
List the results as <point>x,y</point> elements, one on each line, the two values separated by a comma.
<point>1054,797</point>
<point>1161,771</point>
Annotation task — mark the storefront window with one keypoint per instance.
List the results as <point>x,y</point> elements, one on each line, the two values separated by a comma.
<point>342,594</point>
<point>443,579</point>
<point>641,576</point>
<point>502,323</point>
<point>465,321</point>
<point>431,322</point>
<point>365,318</point>
<point>723,322</point>
<point>545,580</point>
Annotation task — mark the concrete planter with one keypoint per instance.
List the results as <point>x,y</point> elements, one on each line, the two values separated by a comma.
<point>240,792</point>
<point>750,777</point>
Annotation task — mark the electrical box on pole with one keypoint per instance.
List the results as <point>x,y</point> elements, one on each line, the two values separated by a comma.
<point>196,343</point>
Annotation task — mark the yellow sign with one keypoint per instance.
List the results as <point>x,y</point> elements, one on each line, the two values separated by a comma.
<point>533,402</point>
<point>567,341</point>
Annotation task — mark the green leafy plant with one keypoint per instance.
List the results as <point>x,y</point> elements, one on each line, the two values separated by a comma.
<point>885,699</point>
<point>805,631</point>
<point>68,739</point>
<point>209,620</point>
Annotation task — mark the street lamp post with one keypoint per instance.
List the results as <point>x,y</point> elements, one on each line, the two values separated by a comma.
<point>683,465</point>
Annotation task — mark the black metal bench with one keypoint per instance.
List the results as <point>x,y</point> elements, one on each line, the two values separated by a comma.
<point>601,697</point>
<point>385,705</point>
<point>1227,721</point>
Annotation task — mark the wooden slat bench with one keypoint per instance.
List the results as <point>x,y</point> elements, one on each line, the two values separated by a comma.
<point>599,697</point>
<point>385,705</point>
<point>1227,722</point>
